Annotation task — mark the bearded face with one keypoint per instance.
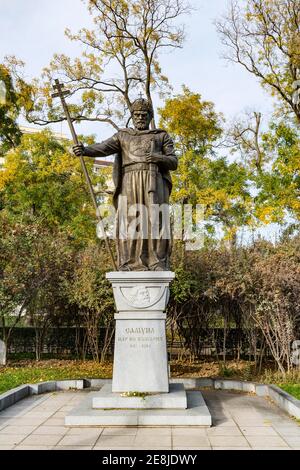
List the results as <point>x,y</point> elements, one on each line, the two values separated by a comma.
<point>141,120</point>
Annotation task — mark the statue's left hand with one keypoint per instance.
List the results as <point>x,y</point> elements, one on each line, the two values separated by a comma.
<point>155,158</point>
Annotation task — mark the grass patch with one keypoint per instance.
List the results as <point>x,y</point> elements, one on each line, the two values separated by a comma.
<point>292,389</point>
<point>290,383</point>
<point>19,372</point>
<point>35,372</point>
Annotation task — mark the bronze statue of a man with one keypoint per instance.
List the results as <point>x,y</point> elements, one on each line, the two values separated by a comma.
<point>144,158</point>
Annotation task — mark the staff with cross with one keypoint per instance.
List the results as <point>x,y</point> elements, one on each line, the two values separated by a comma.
<point>62,94</point>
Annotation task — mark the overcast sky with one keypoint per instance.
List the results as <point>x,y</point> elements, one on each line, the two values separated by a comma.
<point>33,30</point>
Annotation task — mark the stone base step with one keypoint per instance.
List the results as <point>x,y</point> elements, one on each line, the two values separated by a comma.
<point>175,399</point>
<point>197,414</point>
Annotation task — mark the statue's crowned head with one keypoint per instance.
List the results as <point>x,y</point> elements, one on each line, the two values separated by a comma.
<point>142,113</point>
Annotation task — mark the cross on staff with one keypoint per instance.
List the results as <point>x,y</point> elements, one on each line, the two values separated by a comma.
<point>62,94</point>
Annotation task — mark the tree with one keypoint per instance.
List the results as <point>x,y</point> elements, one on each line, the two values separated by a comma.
<point>31,287</point>
<point>273,299</point>
<point>41,179</point>
<point>271,157</point>
<point>89,291</point>
<point>280,183</point>
<point>10,107</point>
<point>245,137</point>
<point>193,123</point>
<point>253,290</point>
<point>121,55</point>
<point>203,178</point>
<point>264,37</point>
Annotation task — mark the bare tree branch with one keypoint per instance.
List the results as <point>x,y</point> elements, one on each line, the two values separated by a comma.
<point>121,55</point>
<point>262,37</point>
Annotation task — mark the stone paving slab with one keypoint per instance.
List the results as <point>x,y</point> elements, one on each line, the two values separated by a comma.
<point>187,440</point>
<point>115,441</point>
<point>266,442</point>
<point>117,431</point>
<point>228,441</point>
<point>73,448</point>
<point>240,422</point>
<point>82,440</point>
<point>50,430</point>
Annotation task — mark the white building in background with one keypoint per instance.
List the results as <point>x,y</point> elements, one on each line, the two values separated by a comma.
<point>35,130</point>
<point>60,136</point>
<point>98,164</point>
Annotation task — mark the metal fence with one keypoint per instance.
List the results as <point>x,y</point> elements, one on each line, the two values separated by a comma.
<point>72,342</point>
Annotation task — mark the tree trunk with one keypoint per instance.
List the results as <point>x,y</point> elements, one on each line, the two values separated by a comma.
<point>37,345</point>
<point>3,358</point>
<point>107,343</point>
<point>3,353</point>
<point>224,339</point>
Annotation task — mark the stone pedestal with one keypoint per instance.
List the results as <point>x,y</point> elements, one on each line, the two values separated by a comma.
<point>140,363</point>
<point>140,356</point>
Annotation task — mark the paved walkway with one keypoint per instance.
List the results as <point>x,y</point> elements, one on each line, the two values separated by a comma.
<point>240,422</point>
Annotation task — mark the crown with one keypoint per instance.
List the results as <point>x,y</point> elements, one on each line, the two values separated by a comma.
<point>141,104</point>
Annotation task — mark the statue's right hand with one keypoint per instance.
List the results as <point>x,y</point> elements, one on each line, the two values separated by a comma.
<point>78,150</point>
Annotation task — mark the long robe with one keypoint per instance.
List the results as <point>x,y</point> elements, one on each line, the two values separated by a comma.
<point>133,178</point>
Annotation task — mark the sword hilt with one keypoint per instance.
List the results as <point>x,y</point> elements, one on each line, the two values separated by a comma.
<point>153,170</point>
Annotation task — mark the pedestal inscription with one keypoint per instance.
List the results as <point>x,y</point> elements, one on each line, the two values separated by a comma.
<point>140,359</point>
<point>149,333</point>
<point>140,356</point>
